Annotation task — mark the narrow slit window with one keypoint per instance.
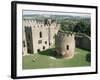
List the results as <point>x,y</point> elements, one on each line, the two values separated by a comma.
<point>67,47</point>
<point>43,47</point>
<point>49,44</point>
<point>40,34</point>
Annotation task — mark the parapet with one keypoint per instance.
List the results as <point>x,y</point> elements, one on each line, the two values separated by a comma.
<point>65,34</point>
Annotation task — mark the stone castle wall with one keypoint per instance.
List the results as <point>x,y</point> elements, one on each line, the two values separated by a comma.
<point>38,35</point>
<point>83,41</point>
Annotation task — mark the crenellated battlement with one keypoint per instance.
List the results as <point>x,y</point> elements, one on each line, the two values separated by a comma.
<point>35,23</point>
<point>65,34</point>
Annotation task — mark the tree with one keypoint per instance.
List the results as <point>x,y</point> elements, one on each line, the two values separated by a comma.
<point>82,27</point>
<point>67,26</point>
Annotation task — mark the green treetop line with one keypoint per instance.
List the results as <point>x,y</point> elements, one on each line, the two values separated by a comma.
<point>76,26</point>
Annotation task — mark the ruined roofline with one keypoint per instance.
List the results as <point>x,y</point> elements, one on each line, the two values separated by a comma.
<point>39,21</point>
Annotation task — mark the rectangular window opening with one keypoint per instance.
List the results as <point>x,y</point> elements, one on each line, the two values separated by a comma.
<point>45,42</point>
<point>39,41</point>
<point>67,47</point>
<point>38,50</point>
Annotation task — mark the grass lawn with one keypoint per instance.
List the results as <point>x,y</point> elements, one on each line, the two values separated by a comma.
<point>46,59</point>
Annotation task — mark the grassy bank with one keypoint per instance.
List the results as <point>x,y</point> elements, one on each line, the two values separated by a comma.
<point>47,59</point>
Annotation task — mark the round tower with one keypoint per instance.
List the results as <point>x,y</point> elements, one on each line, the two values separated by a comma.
<point>65,44</point>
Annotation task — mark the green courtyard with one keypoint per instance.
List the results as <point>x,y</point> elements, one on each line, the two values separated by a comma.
<point>47,59</point>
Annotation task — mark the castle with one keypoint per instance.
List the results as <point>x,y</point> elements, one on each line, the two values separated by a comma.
<point>38,35</point>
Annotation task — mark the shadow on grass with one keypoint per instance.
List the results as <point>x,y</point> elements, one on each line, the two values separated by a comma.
<point>88,57</point>
<point>50,52</point>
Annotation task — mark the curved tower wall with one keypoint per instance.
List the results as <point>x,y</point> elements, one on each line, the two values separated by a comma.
<point>65,44</point>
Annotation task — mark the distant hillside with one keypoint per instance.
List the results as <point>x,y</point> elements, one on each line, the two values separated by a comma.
<point>55,17</point>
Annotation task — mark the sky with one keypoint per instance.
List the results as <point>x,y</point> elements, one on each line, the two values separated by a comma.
<point>30,12</point>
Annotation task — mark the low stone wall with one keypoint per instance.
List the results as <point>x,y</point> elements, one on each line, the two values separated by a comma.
<point>83,41</point>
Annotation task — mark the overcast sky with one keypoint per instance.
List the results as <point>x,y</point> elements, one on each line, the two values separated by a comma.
<point>29,12</point>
